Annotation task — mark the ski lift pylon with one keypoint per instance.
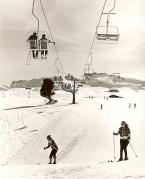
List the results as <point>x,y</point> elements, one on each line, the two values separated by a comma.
<point>88,66</point>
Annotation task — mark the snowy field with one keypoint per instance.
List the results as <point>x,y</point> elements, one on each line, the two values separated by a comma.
<point>83,133</point>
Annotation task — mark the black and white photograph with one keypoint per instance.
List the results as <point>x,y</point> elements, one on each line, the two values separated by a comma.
<point>72,89</point>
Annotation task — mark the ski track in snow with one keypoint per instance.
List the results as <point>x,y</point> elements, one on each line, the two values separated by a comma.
<point>71,146</point>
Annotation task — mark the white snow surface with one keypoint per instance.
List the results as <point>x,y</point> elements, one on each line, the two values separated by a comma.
<point>83,133</point>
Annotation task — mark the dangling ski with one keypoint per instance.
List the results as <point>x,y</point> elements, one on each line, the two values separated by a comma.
<point>52,102</point>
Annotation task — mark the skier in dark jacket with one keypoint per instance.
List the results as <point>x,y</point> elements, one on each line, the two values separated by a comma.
<point>44,46</point>
<point>125,135</point>
<point>54,147</point>
<point>33,40</point>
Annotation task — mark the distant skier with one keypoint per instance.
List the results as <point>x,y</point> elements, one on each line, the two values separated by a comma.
<point>124,133</point>
<point>54,147</point>
<point>129,105</point>
<point>134,105</point>
<point>101,106</point>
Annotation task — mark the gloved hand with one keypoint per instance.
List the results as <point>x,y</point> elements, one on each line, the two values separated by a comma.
<point>44,148</point>
<point>114,133</point>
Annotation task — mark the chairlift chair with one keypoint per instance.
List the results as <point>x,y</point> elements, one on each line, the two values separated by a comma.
<point>38,49</point>
<point>107,33</point>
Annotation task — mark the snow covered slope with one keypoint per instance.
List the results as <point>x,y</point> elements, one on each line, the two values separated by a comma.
<point>112,80</point>
<point>82,131</point>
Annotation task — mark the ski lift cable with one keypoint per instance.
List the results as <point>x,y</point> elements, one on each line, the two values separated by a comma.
<point>96,31</point>
<point>90,64</point>
<point>33,13</point>
<point>38,25</point>
<point>108,14</point>
<point>91,57</point>
<point>57,68</point>
<point>51,35</point>
<point>114,5</point>
<point>46,20</point>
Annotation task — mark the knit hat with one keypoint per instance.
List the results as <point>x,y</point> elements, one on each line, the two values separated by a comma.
<point>43,35</point>
<point>34,33</point>
<point>123,122</point>
<point>49,137</point>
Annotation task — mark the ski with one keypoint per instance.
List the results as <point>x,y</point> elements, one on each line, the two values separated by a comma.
<point>51,102</point>
<point>111,161</point>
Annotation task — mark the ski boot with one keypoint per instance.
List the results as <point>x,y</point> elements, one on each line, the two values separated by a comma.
<point>126,158</point>
<point>120,159</point>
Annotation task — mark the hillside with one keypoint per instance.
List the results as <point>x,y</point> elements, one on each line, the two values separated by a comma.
<point>113,80</point>
<point>95,80</point>
<point>3,88</point>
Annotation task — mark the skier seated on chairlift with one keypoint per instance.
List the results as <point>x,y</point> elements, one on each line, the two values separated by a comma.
<point>44,46</point>
<point>33,40</point>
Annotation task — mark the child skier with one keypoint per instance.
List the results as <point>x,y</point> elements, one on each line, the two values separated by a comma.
<point>54,147</point>
<point>124,133</point>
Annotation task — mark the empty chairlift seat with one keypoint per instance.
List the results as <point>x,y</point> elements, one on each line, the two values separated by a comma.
<point>110,34</point>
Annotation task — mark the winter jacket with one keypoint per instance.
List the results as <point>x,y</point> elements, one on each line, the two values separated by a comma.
<point>124,133</point>
<point>33,42</point>
<point>52,144</point>
<point>44,42</point>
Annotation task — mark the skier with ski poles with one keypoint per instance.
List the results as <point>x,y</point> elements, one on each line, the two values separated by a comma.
<point>54,147</point>
<point>125,135</point>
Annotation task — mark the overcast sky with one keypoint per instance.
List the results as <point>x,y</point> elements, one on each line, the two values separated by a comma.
<point>73,25</point>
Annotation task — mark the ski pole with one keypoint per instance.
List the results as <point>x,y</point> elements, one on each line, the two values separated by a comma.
<point>114,146</point>
<point>133,150</point>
